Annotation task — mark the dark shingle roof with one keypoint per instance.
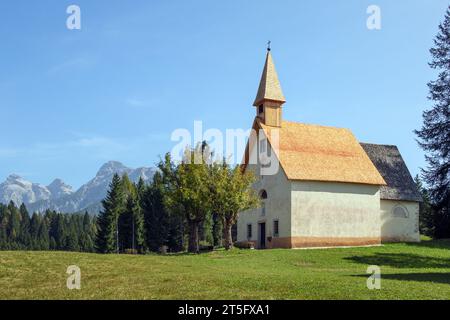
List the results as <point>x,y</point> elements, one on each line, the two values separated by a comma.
<point>390,164</point>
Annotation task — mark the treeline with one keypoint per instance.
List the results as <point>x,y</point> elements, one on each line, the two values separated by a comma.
<point>188,204</point>
<point>134,219</point>
<point>47,231</point>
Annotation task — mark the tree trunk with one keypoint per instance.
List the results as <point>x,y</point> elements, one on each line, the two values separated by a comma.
<point>227,235</point>
<point>193,237</point>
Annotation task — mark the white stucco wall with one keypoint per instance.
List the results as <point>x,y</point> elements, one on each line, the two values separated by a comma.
<point>399,229</point>
<point>277,206</point>
<point>328,210</point>
<point>313,213</point>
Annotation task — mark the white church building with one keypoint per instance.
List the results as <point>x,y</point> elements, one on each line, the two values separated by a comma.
<point>329,189</point>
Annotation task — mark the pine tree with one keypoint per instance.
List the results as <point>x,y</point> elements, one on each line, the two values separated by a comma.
<point>125,220</point>
<point>60,232</point>
<point>34,231</point>
<point>131,226</point>
<point>434,136</point>
<point>138,227</point>
<point>24,227</point>
<point>3,228</point>
<point>71,241</point>
<point>14,225</point>
<point>140,188</point>
<point>426,223</point>
<point>86,235</point>
<point>156,226</point>
<point>107,222</point>
<point>43,239</point>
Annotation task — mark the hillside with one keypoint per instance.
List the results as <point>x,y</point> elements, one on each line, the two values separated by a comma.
<point>409,271</point>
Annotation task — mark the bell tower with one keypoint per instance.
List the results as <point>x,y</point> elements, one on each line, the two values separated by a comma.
<point>270,98</point>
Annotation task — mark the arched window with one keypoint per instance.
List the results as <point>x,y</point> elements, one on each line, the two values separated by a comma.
<point>400,212</point>
<point>263,195</point>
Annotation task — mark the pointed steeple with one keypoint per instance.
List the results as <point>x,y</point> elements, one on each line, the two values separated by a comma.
<point>269,86</point>
<point>269,98</point>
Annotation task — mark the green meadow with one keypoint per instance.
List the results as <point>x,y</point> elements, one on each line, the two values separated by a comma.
<point>408,271</point>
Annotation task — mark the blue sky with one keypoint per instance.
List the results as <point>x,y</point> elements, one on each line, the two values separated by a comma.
<point>71,100</point>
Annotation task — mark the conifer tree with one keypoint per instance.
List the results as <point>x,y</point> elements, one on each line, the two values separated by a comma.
<point>156,216</point>
<point>24,226</point>
<point>426,223</point>
<point>3,228</point>
<point>107,222</point>
<point>434,136</point>
<point>43,242</point>
<point>86,234</point>
<point>14,225</point>
<point>34,231</point>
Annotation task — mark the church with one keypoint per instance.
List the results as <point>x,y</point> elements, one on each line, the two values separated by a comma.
<point>329,190</point>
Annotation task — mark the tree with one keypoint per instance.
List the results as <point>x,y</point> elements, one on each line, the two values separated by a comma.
<point>14,224</point>
<point>217,230</point>
<point>131,220</point>
<point>3,227</point>
<point>60,232</point>
<point>43,241</point>
<point>231,189</point>
<point>426,223</point>
<point>24,226</point>
<point>131,226</point>
<point>107,222</point>
<point>48,231</point>
<point>186,190</point>
<point>163,227</point>
<point>87,234</point>
<point>35,225</point>
<point>434,136</point>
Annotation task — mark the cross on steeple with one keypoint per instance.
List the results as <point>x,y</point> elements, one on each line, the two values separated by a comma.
<point>268,45</point>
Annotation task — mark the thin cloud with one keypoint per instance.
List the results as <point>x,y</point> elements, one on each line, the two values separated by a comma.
<point>8,152</point>
<point>139,103</point>
<point>98,147</point>
<point>80,62</point>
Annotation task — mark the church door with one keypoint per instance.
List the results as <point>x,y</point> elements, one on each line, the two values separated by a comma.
<point>262,235</point>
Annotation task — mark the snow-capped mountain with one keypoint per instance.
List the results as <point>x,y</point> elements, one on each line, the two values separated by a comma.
<point>59,189</point>
<point>19,190</point>
<point>60,196</point>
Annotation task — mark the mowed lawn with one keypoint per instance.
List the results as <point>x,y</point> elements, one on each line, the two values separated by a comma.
<point>409,271</point>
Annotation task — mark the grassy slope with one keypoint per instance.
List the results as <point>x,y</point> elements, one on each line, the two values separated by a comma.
<point>409,271</point>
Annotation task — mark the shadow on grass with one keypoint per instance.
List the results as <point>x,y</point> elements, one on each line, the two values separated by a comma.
<point>401,260</point>
<point>435,244</point>
<point>434,277</point>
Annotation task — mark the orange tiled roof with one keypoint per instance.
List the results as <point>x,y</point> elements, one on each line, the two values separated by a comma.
<point>319,153</point>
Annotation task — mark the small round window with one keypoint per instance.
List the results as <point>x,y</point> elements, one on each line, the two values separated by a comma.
<point>400,212</point>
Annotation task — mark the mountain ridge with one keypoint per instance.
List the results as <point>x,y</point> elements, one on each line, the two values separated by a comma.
<point>61,197</point>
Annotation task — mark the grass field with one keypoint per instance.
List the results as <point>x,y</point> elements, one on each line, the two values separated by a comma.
<point>409,271</point>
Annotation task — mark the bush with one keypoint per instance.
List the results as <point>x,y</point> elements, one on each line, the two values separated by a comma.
<point>130,251</point>
<point>245,244</point>
<point>206,247</point>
